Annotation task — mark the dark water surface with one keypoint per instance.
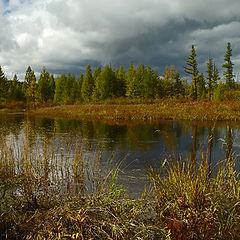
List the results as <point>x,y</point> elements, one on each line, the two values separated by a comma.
<point>138,143</point>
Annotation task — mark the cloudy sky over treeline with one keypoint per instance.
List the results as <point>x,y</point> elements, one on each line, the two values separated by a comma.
<point>65,35</point>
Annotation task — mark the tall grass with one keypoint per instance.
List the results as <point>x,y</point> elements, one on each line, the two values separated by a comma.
<point>53,191</point>
<point>193,202</point>
<point>210,111</point>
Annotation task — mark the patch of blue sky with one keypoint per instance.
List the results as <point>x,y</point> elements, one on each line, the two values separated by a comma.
<point>5,2</point>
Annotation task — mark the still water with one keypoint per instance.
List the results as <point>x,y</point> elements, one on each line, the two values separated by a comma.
<point>133,144</point>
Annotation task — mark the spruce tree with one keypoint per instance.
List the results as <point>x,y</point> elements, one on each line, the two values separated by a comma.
<point>149,83</point>
<point>178,86</point>
<point>121,82</point>
<point>216,77</point>
<point>79,87</point>
<point>87,85</point>
<point>210,83</point>
<point>228,65</point>
<point>201,87</point>
<point>43,87</point>
<point>168,81</point>
<point>51,87</point>
<point>59,89</point>
<point>29,86</point>
<point>192,69</point>
<point>105,85</point>
<point>3,86</point>
<point>130,88</point>
<point>15,91</point>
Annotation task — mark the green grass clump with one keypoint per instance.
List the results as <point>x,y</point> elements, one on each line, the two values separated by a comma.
<point>45,194</point>
<point>195,203</point>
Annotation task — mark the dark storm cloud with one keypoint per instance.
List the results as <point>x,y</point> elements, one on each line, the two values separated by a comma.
<point>65,35</point>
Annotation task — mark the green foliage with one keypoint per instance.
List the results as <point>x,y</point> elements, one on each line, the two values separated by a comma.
<point>109,84</point>
<point>15,90</point>
<point>120,82</point>
<point>201,87</point>
<point>59,89</point>
<point>3,86</point>
<point>149,84</point>
<point>195,204</point>
<point>30,86</point>
<point>168,81</point>
<point>210,80</point>
<point>43,87</point>
<point>130,81</point>
<point>87,85</point>
<point>79,82</point>
<point>219,91</point>
<point>192,69</point>
<point>228,65</point>
<point>70,89</point>
<point>105,85</point>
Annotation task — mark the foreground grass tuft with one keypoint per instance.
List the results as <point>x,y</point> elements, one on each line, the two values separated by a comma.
<point>44,194</point>
<point>194,203</point>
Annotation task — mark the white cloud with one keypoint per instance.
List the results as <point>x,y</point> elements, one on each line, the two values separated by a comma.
<point>64,34</point>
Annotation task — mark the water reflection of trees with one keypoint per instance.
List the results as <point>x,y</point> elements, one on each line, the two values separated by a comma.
<point>10,124</point>
<point>175,136</point>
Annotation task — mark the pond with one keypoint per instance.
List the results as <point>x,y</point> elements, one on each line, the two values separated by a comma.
<point>133,145</point>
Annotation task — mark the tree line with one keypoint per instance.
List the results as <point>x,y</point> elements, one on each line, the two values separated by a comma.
<point>135,83</point>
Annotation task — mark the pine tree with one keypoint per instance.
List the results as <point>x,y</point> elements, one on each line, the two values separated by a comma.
<point>130,88</point>
<point>3,86</point>
<point>210,82</point>
<point>96,73</point>
<point>29,86</point>
<point>121,82</point>
<point>72,86</point>
<point>43,90</point>
<point>192,69</point>
<point>105,85</point>
<point>138,82</point>
<point>51,87</point>
<point>228,65</point>
<point>178,86</point>
<point>79,87</point>
<point>59,89</point>
<point>168,81</point>
<point>149,84</point>
<point>87,85</point>
<point>15,91</point>
<point>216,77</point>
<point>201,87</point>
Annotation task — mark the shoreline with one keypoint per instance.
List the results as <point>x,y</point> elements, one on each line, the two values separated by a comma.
<point>194,111</point>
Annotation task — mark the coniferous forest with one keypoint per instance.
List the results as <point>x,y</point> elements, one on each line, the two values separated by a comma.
<point>141,82</point>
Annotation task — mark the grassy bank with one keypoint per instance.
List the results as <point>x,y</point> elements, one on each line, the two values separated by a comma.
<point>45,194</point>
<point>148,112</point>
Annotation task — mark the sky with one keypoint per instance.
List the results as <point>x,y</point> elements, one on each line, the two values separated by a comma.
<point>66,35</point>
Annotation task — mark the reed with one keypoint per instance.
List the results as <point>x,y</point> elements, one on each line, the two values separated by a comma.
<point>194,202</point>
<point>58,190</point>
<point>55,190</point>
<point>154,111</point>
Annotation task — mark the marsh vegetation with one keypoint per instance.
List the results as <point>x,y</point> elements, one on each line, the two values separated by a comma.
<point>59,179</point>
